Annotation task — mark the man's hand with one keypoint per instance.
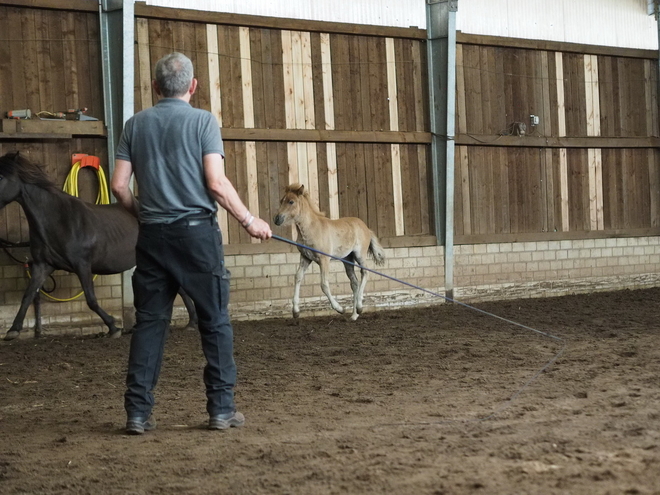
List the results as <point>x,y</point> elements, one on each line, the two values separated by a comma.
<point>259,229</point>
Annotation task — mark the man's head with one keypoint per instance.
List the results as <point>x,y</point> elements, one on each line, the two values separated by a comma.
<point>174,75</point>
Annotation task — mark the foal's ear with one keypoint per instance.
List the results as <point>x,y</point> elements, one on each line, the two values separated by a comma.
<point>300,191</point>
<point>16,155</point>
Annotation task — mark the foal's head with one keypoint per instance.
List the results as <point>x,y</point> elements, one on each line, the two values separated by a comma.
<point>294,203</point>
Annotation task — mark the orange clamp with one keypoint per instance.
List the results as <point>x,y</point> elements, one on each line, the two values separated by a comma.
<point>86,160</point>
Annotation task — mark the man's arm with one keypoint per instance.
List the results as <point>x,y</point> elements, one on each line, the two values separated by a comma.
<point>225,194</point>
<point>121,180</point>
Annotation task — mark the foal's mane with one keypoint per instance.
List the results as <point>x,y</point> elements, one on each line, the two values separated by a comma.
<point>13,164</point>
<point>294,188</point>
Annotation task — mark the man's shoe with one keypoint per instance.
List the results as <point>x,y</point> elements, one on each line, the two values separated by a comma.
<point>227,420</point>
<point>137,425</point>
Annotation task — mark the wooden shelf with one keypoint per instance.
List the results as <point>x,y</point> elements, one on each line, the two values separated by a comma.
<point>50,129</point>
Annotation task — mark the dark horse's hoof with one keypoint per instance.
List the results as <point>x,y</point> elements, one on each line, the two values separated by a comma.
<point>12,334</point>
<point>116,334</point>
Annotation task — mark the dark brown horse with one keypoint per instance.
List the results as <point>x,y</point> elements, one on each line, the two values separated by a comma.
<point>68,234</point>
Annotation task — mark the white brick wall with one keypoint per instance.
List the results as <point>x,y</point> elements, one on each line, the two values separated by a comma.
<point>262,284</point>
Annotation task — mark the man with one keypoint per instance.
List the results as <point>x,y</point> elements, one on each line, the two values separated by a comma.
<point>176,154</point>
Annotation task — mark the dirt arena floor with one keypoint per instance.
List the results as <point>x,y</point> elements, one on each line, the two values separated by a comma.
<point>398,402</point>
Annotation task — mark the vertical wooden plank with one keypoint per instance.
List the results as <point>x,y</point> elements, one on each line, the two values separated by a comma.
<point>43,62</point>
<point>648,92</point>
<point>623,70</point>
<point>82,59</point>
<point>465,188</point>
<point>329,113</point>
<point>419,91</point>
<point>309,115</point>
<point>365,84</point>
<point>460,91</point>
<point>504,188</point>
<point>546,117</point>
<point>353,97</point>
<point>328,95</point>
<point>487,66</point>
<point>473,96</point>
<point>654,130</point>
<point>391,85</point>
<point>213,61</point>
<point>290,102</point>
<point>144,58</point>
<point>70,60</point>
<point>339,51</point>
<point>246,77</point>
<point>394,126</point>
<point>17,70</point>
<point>592,95</point>
<point>595,189</point>
<point>654,187</point>
<point>425,187</point>
<point>561,105</point>
<point>6,85</point>
<point>333,187</point>
<point>384,188</point>
<point>605,89</point>
<point>563,188</point>
<point>297,72</point>
<point>252,181</point>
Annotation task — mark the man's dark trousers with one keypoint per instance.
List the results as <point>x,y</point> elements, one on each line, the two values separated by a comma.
<point>187,253</point>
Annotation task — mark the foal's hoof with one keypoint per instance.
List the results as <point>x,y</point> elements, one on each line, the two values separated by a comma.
<point>340,310</point>
<point>12,334</point>
<point>296,314</point>
<point>354,316</point>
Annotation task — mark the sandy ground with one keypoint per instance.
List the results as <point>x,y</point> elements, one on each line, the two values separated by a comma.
<point>398,402</point>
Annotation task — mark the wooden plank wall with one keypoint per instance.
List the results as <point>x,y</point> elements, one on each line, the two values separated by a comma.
<point>560,179</point>
<point>50,61</point>
<point>257,80</point>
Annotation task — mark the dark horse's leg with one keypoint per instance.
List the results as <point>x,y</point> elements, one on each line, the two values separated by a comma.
<point>40,272</point>
<point>37,314</point>
<point>87,282</point>
<point>190,307</point>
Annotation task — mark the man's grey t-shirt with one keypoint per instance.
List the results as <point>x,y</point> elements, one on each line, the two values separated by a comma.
<point>165,145</point>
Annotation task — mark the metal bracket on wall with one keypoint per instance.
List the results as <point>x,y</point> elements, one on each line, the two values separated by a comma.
<point>452,4</point>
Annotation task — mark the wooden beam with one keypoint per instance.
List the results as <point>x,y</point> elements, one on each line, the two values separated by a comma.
<point>32,136</point>
<point>558,142</point>
<point>55,127</point>
<point>554,46</point>
<point>259,21</point>
<point>77,5</point>
<point>325,135</point>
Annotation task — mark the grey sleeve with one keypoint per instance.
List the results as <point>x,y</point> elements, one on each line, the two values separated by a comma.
<point>211,138</point>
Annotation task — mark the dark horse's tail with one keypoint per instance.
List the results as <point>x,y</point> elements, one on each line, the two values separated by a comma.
<point>376,250</point>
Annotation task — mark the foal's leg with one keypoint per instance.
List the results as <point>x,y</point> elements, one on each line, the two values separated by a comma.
<point>87,282</point>
<point>304,264</point>
<point>363,282</point>
<point>324,264</point>
<point>39,274</point>
<point>350,271</point>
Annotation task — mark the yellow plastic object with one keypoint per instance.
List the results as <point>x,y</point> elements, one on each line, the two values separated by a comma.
<point>71,183</point>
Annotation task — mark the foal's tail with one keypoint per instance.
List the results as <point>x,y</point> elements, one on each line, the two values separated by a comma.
<point>376,250</point>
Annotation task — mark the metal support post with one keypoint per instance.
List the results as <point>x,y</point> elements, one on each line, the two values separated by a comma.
<point>117,56</point>
<point>441,46</point>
